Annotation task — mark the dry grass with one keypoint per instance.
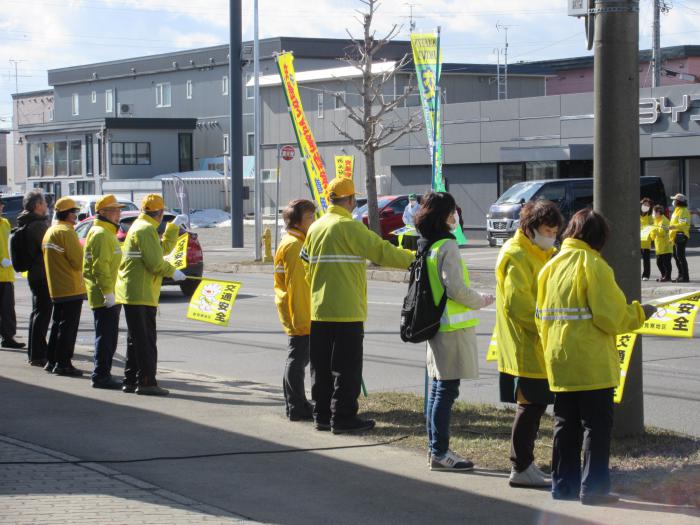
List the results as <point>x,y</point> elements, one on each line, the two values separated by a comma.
<point>660,466</point>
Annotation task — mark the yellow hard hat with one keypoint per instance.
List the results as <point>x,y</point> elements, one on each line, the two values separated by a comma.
<point>152,202</point>
<point>66,204</point>
<point>108,201</point>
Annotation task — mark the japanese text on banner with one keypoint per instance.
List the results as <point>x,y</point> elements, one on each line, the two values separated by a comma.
<point>624,343</point>
<point>178,257</point>
<point>344,166</point>
<point>213,301</point>
<point>673,320</point>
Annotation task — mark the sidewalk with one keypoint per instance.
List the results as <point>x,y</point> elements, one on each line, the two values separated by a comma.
<point>253,466</point>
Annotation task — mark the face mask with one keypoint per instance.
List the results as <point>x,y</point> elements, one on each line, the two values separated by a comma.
<point>453,227</point>
<point>645,209</point>
<point>544,242</point>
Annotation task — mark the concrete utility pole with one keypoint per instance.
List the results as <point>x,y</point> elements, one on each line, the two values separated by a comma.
<point>660,6</point>
<point>616,169</point>
<point>235,143</point>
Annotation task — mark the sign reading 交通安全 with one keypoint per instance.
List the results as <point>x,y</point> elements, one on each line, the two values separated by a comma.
<point>212,301</point>
<point>673,320</point>
<point>178,257</point>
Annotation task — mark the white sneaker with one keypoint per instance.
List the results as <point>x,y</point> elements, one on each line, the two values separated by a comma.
<point>450,461</point>
<point>530,477</point>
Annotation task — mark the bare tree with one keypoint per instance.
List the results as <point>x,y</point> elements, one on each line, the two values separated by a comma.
<point>380,128</point>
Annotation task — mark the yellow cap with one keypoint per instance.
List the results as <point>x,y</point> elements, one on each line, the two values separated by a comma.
<point>152,202</point>
<point>340,187</point>
<point>108,201</point>
<point>65,204</point>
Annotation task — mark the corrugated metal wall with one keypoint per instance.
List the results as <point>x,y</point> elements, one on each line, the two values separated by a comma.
<point>203,193</point>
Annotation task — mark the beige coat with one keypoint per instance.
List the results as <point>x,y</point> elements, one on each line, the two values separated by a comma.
<point>454,355</point>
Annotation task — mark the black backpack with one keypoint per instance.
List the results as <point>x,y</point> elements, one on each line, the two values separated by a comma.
<point>420,318</point>
<point>21,260</point>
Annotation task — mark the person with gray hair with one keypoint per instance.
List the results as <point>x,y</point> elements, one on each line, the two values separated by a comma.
<point>34,222</point>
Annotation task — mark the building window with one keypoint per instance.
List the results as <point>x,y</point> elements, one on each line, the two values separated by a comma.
<point>85,187</point>
<point>250,143</point>
<point>47,159</point>
<point>74,105</point>
<point>508,175</point>
<point>35,160</point>
<point>88,155</point>
<point>61,153</point>
<point>339,98</point>
<point>109,101</point>
<point>268,176</point>
<point>188,89</point>
<point>224,85</point>
<point>76,157</point>
<point>163,95</point>
<point>131,153</point>
<point>249,89</point>
<point>93,97</point>
<point>53,188</point>
<point>225,144</point>
<point>50,113</point>
<point>319,112</point>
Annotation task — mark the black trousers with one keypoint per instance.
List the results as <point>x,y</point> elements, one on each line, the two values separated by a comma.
<point>336,369</point>
<point>663,262</point>
<point>64,330</point>
<point>39,319</point>
<point>525,428</point>
<point>646,263</point>
<point>8,320</point>
<point>141,348</point>
<point>679,256</point>
<point>293,381</point>
<point>582,420</point>
<point>106,337</point>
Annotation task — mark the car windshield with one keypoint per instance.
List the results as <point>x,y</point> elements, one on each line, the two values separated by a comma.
<point>523,191</point>
<point>381,202</point>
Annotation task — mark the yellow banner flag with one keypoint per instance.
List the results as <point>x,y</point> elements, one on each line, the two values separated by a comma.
<point>492,352</point>
<point>310,155</point>
<point>178,257</point>
<point>673,320</point>
<point>624,344</point>
<point>212,301</point>
<point>344,166</point>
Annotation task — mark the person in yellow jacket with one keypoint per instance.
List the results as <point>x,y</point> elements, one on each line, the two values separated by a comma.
<point>100,266</point>
<point>8,319</point>
<point>63,259</point>
<point>662,243</point>
<point>523,379</point>
<point>139,279</point>
<point>646,221</point>
<point>580,310</point>
<point>335,252</point>
<point>680,233</point>
<point>293,300</point>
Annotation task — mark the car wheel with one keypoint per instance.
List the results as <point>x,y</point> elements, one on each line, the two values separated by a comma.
<point>188,287</point>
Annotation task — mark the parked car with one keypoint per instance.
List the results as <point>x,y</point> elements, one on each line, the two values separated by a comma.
<point>13,207</point>
<point>195,256</point>
<point>87,205</point>
<point>570,195</point>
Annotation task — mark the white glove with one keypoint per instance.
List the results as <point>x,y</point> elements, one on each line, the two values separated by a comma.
<point>6,263</point>
<point>488,299</point>
<point>110,300</point>
<point>179,276</point>
<point>181,220</point>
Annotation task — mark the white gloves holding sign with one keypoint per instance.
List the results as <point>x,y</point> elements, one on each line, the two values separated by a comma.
<point>110,300</point>
<point>6,263</point>
<point>179,276</point>
<point>181,220</point>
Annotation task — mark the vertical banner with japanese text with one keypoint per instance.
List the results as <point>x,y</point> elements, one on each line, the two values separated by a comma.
<point>344,166</point>
<point>178,257</point>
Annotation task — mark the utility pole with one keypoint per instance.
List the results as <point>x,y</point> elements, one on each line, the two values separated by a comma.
<point>256,136</point>
<point>616,169</point>
<point>505,61</point>
<point>660,6</point>
<point>235,123</point>
<point>15,62</point>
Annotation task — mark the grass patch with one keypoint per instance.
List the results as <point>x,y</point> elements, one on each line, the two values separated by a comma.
<point>660,466</point>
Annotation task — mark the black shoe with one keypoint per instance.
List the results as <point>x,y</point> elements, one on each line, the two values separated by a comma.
<point>68,371</point>
<point>599,499</point>
<point>49,366</point>
<point>107,384</point>
<point>38,362</point>
<point>564,497</point>
<point>128,388</point>
<point>304,416</point>
<point>151,390</point>
<point>353,425</point>
<point>11,343</point>
<point>322,426</point>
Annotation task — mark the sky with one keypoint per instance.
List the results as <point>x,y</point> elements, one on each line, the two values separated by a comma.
<point>46,34</point>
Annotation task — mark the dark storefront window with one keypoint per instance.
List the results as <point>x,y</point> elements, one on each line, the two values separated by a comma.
<point>88,154</point>
<point>76,158</point>
<point>47,159</point>
<point>509,174</point>
<point>185,151</point>
<point>34,160</point>
<point>53,188</point>
<point>670,171</point>
<point>131,153</point>
<point>85,187</point>
<point>540,170</point>
<point>61,152</point>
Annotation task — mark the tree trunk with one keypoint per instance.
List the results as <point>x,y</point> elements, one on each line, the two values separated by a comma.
<point>371,186</point>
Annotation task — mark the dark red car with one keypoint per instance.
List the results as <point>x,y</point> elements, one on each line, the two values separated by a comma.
<point>195,256</point>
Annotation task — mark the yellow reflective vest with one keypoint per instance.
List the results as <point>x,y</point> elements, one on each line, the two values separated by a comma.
<point>680,222</point>
<point>7,275</point>
<point>63,259</point>
<point>660,235</point>
<point>142,267</point>
<point>519,346</point>
<point>292,294</point>
<point>335,253</point>
<point>101,261</point>
<point>645,221</point>
<point>455,316</point>
<point>580,310</point>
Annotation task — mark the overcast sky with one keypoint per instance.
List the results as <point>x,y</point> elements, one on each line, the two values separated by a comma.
<point>46,34</point>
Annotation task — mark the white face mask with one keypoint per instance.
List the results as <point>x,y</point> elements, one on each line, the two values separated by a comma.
<point>453,227</point>
<point>645,209</point>
<point>544,242</point>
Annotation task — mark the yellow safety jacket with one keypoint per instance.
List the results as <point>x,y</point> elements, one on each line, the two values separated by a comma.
<point>63,259</point>
<point>580,310</point>
<point>519,346</point>
<point>680,222</point>
<point>644,222</point>
<point>7,275</point>
<point>660,235</point>
<point>455,316</point>
<point>335,253</point>
<point>292,294</point>
<point>142,267</point>
<point>101,261</point>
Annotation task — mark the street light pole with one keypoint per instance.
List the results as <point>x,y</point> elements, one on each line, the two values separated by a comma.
<point>616,169</point>
<point>235,143</point>
<point>256,137</point>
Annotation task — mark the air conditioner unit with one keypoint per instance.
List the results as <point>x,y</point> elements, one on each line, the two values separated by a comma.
<point>125,109</point>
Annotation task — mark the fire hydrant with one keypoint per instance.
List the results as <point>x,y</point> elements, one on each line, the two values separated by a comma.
<point>267,245</point>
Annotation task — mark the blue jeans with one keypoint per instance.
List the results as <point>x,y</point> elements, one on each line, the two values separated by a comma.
<point>106,335</point>
<point>437,421</point>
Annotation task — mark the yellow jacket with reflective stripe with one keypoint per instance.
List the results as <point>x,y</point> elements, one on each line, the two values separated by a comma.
<point>292,294</point>
<point>335,253</point>
<point>456,315</point>
<point>580,310</point>
<point>63,259</point>
<point>519,346</point>
<point>680,222</point>
<point>142,267</point>
<point>101,261</point>
<point>7,275</point>
<point>660,236</point>
<point>644,222</point>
